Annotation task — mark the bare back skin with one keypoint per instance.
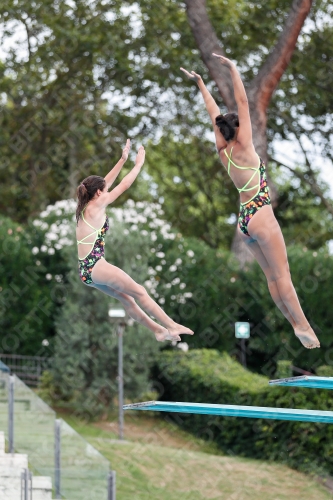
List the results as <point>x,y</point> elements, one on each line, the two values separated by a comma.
<point>244,157</point>
<point>266,241</point>
<point>96,218</point>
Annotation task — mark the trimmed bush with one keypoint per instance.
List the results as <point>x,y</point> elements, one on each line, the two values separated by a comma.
<point>325,371</point>
<point>207,376</point>
<point>284,369</point>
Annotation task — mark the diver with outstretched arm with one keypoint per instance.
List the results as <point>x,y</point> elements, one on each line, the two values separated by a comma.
<point>257,224</point>
<point>92,223</point>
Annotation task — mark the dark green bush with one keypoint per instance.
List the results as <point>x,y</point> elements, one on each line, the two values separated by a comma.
<point>284,369</point>
<point>324,371</point>
<point>206,376</point>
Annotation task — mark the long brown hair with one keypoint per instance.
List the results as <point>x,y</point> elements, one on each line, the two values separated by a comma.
<point>86,191</point>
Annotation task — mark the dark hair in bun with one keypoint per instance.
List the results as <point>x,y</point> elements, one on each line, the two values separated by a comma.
<point>227,124</point>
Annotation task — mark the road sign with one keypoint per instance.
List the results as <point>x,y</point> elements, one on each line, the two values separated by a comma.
<point>242,330</point>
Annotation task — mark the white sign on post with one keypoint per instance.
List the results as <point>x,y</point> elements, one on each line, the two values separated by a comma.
<point>242,330</point>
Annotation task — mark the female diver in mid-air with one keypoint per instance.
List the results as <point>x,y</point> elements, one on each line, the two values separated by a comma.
<point>92,223</point>
<point>257,224</point>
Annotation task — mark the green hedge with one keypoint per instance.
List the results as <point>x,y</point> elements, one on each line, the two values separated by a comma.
<point>207,376</point>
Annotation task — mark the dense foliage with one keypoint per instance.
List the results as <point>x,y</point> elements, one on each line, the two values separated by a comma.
<point>197,285</point>
<point>218,293</point>
<point>29,298</point>
<point>83,75</point>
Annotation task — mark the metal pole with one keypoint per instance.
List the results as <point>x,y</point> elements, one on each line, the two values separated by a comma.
<point>120,380</point>
<point>112,485</point>
<point>22,485</point>
<point>26,485</point>
<point>57,457</point>
<point>243,352</point>
<point>11,413</point>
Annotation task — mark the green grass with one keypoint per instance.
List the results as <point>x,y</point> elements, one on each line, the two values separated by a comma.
<point>160,462</point>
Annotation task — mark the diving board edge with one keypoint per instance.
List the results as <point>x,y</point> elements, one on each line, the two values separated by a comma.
<point>299,415</point>
<point>309,381</point>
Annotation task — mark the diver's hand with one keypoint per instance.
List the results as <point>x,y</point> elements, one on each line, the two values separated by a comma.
<point>192,76</point>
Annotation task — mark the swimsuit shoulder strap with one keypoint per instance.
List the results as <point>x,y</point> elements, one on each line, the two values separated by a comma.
<point>256,169</point>
<point>84,220</point>
<point>91,234</point>
<point>230,161</point>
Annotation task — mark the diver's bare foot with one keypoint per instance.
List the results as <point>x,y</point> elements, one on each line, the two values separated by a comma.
<point>163,334</point>
<point>308,337</point>
<point>177,329</point>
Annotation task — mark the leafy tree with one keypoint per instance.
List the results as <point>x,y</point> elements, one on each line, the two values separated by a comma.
<point>28,299</point>
<point>260,37</point>
<point>207,212</point>
<point>56,121</point>
<point>84,75</point>
<point>202,201</point>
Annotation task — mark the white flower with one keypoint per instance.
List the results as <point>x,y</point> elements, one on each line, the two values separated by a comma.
<point>48,276</point>
<point>35,250</point>
<point>190,253</point>
<point>160,255</point>
<point>173,268</point>
<point>182,286</point>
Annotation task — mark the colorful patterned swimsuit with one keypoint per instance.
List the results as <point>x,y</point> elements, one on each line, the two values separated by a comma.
<point>261,197</point>
<point>87,263</point>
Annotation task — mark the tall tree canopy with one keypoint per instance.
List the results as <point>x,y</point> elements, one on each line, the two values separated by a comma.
<point>85,74</point>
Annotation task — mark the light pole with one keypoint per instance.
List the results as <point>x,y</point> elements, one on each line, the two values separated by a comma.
<point>118,315</point>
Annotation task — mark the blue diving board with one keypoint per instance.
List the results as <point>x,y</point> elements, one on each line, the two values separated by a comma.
<point>305,381</point>
<point>236,411</point>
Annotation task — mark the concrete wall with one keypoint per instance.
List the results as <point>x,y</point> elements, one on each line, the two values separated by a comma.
<point>11,466</point>
<point>41,488</point>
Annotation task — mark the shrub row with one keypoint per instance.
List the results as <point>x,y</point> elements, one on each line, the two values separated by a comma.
<point>207,376</point>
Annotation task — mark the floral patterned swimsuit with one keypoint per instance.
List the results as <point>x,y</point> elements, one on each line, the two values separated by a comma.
<point>87,263</point>
<point>260,199</point>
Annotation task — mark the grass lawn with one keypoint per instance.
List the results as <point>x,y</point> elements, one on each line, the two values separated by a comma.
<point>158,461</point>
